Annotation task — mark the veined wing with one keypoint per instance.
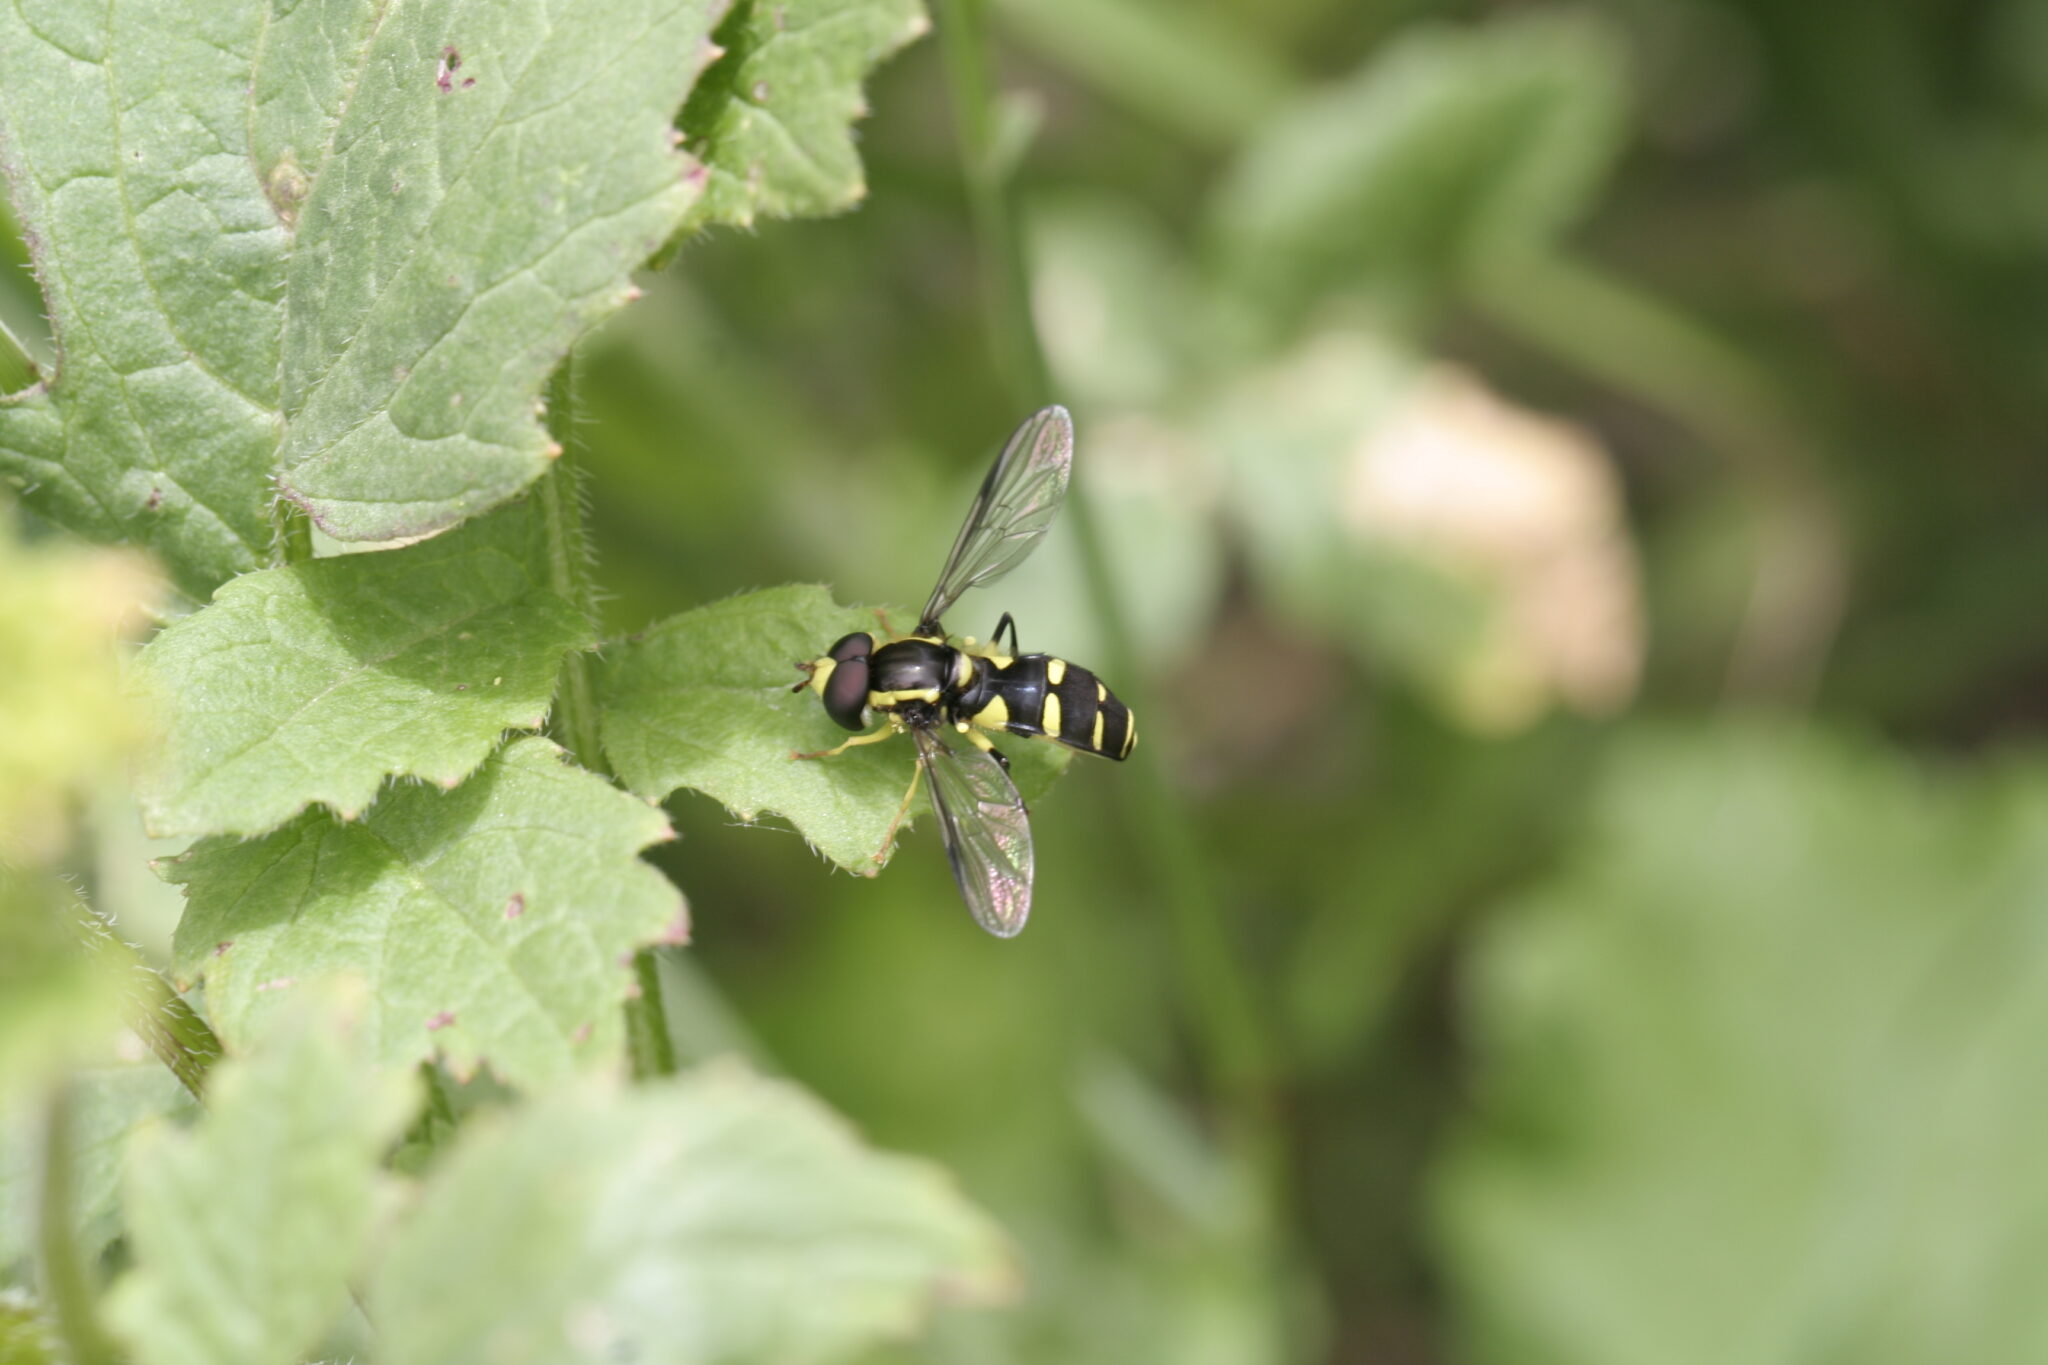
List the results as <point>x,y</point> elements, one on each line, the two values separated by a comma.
<point>1017,502</point>
<point>987,833</point>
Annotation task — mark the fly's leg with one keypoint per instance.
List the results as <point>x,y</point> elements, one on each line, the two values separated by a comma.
<point>1007,623</point>
<point>986,745</point>
<point>882,853</point>
<point>889,635</point>
<point>873,737</point>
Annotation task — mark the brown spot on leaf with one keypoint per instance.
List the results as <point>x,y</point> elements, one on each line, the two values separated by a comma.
<point>223,946</point>
<point>515,907</point>
<point>582,1033</point>
<point>280,984</point>
<point>451,62</point>
<point>440,1020</point>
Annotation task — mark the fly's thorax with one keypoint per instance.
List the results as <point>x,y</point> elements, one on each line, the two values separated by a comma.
<point>985,649</point>
<point>913,671</point>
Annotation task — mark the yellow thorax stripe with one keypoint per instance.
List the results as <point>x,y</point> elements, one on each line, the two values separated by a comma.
<point>884,701</point>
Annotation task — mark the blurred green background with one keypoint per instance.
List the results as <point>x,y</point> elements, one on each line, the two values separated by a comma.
<point>1572,485</point>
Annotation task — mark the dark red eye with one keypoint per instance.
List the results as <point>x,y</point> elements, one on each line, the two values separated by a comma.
<point>858,645</point>
<point>846,691</point>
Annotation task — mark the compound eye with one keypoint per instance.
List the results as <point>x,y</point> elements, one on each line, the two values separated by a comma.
<point>846,691</point>
<point>858,645</point>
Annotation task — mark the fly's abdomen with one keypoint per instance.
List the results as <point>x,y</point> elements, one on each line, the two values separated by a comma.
<point>1042,695</point>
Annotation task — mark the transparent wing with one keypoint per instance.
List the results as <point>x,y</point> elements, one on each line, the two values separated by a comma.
<point>987,833</point>
<point>1017,502</point>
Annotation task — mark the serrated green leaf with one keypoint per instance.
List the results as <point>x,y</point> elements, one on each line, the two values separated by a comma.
<point>491,923</point>
<point>1450,145</point>
<point>497,170</point>
<point>110,1104</point>
<point>247,1227</point>
<point>703,701</point>
<point>714,1219</point>
<point>1760,1071</point>
<point>317,682</point>
<point>344,240</point>
<point>163,266</point>
<point>772,119</point>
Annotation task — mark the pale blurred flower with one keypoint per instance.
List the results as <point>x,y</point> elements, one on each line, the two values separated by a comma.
<point>1526,511</point>
<point>66,611</point>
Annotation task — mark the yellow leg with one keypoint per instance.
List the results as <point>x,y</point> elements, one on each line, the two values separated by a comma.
<point>981,741</point>
<point>882,853</point>
<point>872,737</point>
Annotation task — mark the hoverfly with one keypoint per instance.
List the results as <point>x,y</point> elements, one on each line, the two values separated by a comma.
<point>923,684</point>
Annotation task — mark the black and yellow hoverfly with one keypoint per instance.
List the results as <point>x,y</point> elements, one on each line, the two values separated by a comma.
<point>924,684</point>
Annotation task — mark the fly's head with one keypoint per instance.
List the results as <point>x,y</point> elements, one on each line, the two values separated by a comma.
<point>840,678</point>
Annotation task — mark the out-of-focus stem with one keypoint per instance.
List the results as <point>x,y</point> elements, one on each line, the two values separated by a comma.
<point>156,1013</point>
<point>574,721</point>
<point>66,1286</point>
<point>1218,994</point>
<point>1641,346</point>
<point>1177,64</point>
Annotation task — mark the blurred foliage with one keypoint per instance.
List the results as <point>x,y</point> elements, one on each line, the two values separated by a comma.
<point>64,613</point>
<point>1764,192</point>
<point>1421,353</point>
<point>1761,1075</point>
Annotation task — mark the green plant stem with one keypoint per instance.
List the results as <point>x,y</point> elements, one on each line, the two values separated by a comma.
<point>1639,345</point>
<point>293,533</point>
<point>66,1284</point>
<point>574,720</point>
<point>1219,998</point>
<point>156,1013</point>
<point>18,368</point>
<point>648,1044</point>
